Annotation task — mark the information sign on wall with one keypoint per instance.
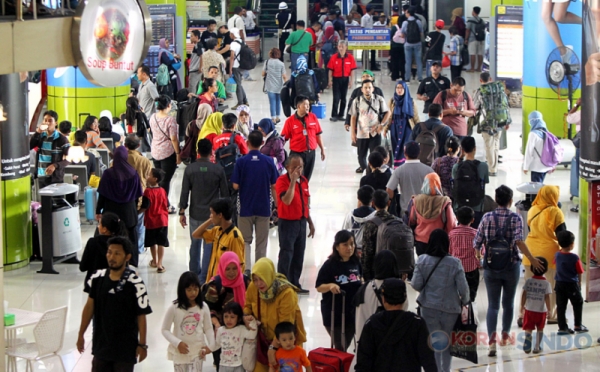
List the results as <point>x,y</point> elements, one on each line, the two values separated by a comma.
<point>509,42</point>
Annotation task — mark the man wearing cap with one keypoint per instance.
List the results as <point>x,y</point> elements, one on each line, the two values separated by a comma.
<point>367,22</point>
<point>395,15</point>
<point>338,24</point>
<point>394,332</point>
<point>433,84</point>
<point>285,22</point>
<point>341,68</point>
<point>435,42</point>
<point>234,67</point>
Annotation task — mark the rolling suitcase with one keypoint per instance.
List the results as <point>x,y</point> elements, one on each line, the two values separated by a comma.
<point>574,178</point>
<point>90,198</point>
<point>331,360</point>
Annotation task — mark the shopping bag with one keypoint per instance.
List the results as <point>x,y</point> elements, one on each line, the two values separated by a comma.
<point>464,337</point>
<point>231,85</point>
<point>446,62</point>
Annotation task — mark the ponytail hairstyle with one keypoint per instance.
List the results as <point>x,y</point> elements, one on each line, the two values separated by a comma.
<point>452,145</point>
<point>207,84</point>
<point>162,102</point>
<point>114,225</point>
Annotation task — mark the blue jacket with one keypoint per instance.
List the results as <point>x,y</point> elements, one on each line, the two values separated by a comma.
<point>447,289</point>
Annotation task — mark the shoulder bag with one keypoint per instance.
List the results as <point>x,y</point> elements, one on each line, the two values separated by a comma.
<point>288,49</point>
<point>262,344</point>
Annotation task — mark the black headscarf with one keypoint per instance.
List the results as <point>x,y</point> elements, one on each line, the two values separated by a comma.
<point>439,243</point>
<point>385,265</point>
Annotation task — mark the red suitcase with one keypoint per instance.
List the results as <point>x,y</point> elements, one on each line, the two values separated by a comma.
<point>325,359</point>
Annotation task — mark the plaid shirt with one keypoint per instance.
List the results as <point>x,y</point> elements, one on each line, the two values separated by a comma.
<point>513,232</point>
<point>456,44</point>
<point>461,247</point>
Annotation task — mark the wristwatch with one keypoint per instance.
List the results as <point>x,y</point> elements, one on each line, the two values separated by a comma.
<point>271,347</point>
<point>145,347</point>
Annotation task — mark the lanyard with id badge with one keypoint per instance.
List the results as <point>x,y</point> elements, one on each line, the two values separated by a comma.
<point>305,131</point>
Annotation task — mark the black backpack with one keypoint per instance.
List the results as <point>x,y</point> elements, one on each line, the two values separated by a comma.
<point>188,111</point>
<point>479,29</point>
<point>464,55</point>
<point>413,34</point>
<point>246,57</point>
<point>305,86</point>
<point>467,190</point>
<point>395,236</point>
<point>226,156</point>
<point>427,140</point>
<point>498,252</point>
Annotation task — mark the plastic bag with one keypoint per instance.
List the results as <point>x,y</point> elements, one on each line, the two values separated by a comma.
<point>231,85</point>
<point>446,62</point>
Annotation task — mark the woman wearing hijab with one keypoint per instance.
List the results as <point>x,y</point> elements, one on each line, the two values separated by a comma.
<point>172,61</point>
<point>403,108</point>
<point>244,123</point>
<point>228,285</point>
<point>119,190</point>
<point>430,210</point>
<point>301,69</point>
<point>532,160</point>
<point>367,300</point>
<point>137,122</point>
<point>544,219</point>
<point>327,43</point>
<point>213,126</point>
<point>192,132</point>
<point>277,300</point>
<point>443,290</point>
<point>458,22</point>
<point>273,143</point>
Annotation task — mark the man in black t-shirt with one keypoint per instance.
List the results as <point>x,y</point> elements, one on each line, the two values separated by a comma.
<point>432,85</point>
<point>209,33</point>
<point>118,303</point>
<point>435,42</point>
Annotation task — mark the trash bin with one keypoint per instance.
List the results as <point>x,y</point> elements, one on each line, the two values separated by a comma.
<point>66,226</point>
<point>530,189</point>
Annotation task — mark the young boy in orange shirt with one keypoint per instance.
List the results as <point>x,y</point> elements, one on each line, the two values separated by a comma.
<point>290,358</point>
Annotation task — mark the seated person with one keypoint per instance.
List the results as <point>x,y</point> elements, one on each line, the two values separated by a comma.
<point>90,163</point>
<point>105,127</point>
<point>65,128</point>
<point>213,73</point>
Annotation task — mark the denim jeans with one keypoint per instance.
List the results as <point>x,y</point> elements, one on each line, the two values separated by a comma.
<point>428,66</point>
<point>141,232</point>
<point>438,320</point>
<point>501,285</point>
<point>239,92</point>
<point>411,51</point>
<point>294,58</point>
<point>538,177</point>
<point>196,253</point>
<point>274,104</point>
<point>292,243</point>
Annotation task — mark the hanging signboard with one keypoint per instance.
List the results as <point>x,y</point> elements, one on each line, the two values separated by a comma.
<point>376,38</point>
<point>509,42</point>
<point>110,39</point>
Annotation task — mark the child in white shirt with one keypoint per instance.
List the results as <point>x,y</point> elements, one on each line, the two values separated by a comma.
<point>231,336</point>
<point>188,327</point>
<point>535,302</point>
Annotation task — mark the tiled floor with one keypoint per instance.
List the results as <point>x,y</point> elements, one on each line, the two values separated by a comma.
<point>333,187</point>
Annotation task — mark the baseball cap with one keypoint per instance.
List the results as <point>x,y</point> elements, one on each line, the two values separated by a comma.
<point>396,8</point>
<point>440,23</point>
<point>332,12</point>
<point>394,290</point>
<point>282,5</point>
<point>436,63</point>
<point>370,7</point>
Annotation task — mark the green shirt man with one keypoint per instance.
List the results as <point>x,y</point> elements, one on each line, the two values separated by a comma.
<point>300,40</point>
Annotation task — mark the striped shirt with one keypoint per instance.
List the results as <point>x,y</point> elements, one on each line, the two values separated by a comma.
<point>456,44</point>
<point>513,232</point>
<point>461,246</point>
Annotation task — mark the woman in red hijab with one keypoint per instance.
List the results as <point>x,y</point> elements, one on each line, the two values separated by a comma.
<point>229,285</point>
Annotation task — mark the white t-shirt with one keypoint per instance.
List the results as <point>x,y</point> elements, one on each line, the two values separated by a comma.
<point>249,20</point>
<point>236,21</point>
<point>231,341</point>
<point>192,326</point>
<point>235,50</point>
<point>366,21</point>
<point>537,289</point>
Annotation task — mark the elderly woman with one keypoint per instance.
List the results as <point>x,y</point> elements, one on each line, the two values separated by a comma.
<point>404,109</point>
<point>271,299</point>
<point>172,61</point>
<point>544,219</point>
<point>244,123</point>
<point>228,285</point>
<point>273,143</point>
<point>368,298</point>
<point>532,159</point>
<point>440,280</point>
<point>430,210</point>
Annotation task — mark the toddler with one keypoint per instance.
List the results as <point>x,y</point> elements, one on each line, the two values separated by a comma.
<point>156,218</point>
<point>231,336</point>
<point>536,302</point>
<point>290,357</point>
<point>568,283</point>
<point>187,326</point>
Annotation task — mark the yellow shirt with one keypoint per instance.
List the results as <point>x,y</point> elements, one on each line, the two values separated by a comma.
<point>541,240</point>
<point>223,241</point>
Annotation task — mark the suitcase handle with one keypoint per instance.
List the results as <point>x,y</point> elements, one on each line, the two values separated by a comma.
<point>343,293</point>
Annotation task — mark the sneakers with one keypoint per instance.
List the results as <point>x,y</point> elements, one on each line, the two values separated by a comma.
<point>537,351</point>
<point>359,170</point>
<point>333,119</point>
<point>302,291</point>
<point>562,332</point>
<point>527,343</point>
<point>492,350</point>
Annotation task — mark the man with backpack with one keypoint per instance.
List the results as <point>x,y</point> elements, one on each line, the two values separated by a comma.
<point>412,32</point>
<point>431,135</point>
<point>369,112</point>
<point>356,219</point>
<point>469,179</point>
<point>341,68</point>
<point>234,67</point>
<point>397,59</point>
<point>475,38</point>
<point>229,145</point>
<point>491,103</point>
<point>457,106</point>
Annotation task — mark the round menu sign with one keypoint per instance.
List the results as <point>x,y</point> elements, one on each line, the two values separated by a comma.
<point>111,39</point>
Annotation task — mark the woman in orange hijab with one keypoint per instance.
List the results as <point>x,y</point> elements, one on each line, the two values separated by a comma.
<point>544,219</point>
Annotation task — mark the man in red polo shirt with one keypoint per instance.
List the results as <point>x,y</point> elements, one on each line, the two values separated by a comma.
<point>341,74</point>
<point>304,133</point>
<point>313,30</point>
<point>293,200</point>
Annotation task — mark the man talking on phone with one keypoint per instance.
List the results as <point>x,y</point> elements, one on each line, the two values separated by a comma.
<point>52,147</point>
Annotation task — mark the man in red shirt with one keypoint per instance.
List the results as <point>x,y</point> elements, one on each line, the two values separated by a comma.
<point>222,140</point>
<point>341,68</point>
<point>304,133</point>
<point>314,28</point>
<point>293,200</point>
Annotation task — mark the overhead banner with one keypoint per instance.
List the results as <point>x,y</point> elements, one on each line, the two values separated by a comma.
<point>376,38</point>
<point>589,168</point>
<point>509,42</point>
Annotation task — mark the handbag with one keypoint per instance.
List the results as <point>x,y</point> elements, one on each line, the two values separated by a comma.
<point>427,280</point>
<point>464,337</point>
<point>262,344</point>
<point>288,49</point>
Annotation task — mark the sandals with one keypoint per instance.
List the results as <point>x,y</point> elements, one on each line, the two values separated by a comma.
<point>152,264</point>
<point>161,270</point>
<point>172,210</point>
